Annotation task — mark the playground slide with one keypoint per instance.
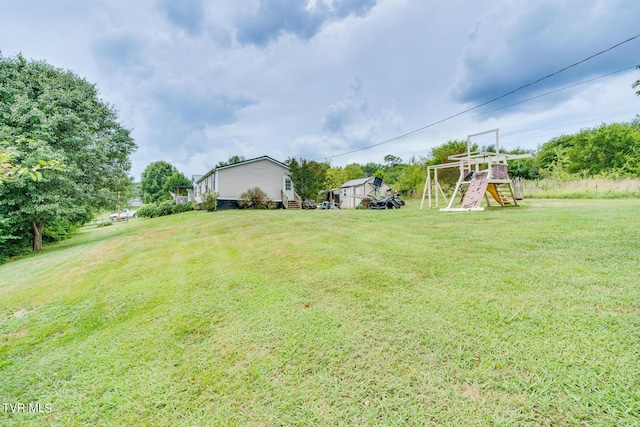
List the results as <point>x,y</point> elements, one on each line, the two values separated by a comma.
<point>491,188</point>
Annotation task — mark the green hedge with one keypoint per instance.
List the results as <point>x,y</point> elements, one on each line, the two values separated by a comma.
<point>164,208</point>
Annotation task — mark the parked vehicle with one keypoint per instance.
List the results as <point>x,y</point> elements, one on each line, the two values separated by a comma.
<point>385,203</point>
<point>124,213</point>
<point>309,204</point>
<point>328,205</point>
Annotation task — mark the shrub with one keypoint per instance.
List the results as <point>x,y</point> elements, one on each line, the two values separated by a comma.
<point>149,210</point>
<point>210,201</point>
<point>182,207</point>
<point>255,198</point>
<point>165,207</point>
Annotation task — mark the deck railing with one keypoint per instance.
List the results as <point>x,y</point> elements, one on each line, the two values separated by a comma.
<point>296,199</point>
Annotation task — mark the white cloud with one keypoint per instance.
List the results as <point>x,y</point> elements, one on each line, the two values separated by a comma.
<point>522,41</point>
<point>300,18</point>
<point>199,81</point>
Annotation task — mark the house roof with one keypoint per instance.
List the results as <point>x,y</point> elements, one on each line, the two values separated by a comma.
<point>357,182</point>
<point>233,165</point>
<point>244,162</point>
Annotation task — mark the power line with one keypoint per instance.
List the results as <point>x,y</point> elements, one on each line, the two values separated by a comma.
<point>484,103</point>
<point>551,92</point>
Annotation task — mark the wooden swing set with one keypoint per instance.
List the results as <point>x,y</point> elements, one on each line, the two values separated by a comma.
<point>482,173</point>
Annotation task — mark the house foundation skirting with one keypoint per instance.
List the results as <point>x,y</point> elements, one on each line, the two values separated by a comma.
<point>235,204</point>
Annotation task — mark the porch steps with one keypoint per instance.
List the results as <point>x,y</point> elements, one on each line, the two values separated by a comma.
<point>293,204</point>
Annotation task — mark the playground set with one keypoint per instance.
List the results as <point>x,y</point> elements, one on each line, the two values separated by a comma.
<point>482,173</point>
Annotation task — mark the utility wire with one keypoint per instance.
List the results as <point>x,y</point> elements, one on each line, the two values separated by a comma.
<point>550,93</point>
<point>484,103</point>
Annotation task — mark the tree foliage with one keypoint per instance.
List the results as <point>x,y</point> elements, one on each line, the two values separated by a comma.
<point>10,169</point>
<point>69,124</point>
<point>5,233</point>
<point>308,177</point>
<point>392,160</point>
<point>176,179</point>
<point>233,159</point>
<point>607,150</point>
<point>440,154</point>
<point>637,83</point>
<point>371,168</point>
<point>412,177</point>
<point>152,183</point>
<point>335,177</point>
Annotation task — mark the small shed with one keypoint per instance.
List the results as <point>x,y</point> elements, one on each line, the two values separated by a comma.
<point>353,192</point>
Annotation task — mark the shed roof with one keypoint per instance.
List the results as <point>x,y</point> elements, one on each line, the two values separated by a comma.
<point>357,182</point>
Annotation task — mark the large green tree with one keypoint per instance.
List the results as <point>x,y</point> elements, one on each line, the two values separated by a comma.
<point>66,121</point>
<point>153,180</point>
<point>637,84</point>
<point>308,177</point>
<point>392,160</point>
<point>176,179</point>
<point>56,197</point>
<point>440,154</point>
<point>412,177</point>
<point>371,168</point>
<point>338,176</point>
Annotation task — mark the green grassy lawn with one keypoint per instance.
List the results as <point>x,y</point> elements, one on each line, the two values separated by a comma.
<point>514,316</point>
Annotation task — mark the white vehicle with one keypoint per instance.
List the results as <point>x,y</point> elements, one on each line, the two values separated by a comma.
<point>328,205</point>
<point>124,213</point>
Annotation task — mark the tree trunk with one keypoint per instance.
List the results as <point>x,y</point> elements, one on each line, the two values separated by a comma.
<point>36,232</point>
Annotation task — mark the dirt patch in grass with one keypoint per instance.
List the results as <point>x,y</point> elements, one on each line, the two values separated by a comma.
<point>20,312</point>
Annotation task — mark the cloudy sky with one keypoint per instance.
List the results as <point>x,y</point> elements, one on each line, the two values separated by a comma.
<point>198,81</point>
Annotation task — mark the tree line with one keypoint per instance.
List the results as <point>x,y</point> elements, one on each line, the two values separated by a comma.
<point>609,150</point>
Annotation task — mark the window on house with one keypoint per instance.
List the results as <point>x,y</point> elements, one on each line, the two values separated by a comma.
<point>287,184</point>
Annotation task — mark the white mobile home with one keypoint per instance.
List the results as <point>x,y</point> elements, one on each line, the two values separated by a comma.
<point>232,180</point>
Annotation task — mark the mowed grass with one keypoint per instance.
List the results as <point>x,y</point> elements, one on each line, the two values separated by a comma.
<point>515,317</point>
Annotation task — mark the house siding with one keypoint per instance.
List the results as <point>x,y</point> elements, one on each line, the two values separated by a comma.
<point>267,175</point>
